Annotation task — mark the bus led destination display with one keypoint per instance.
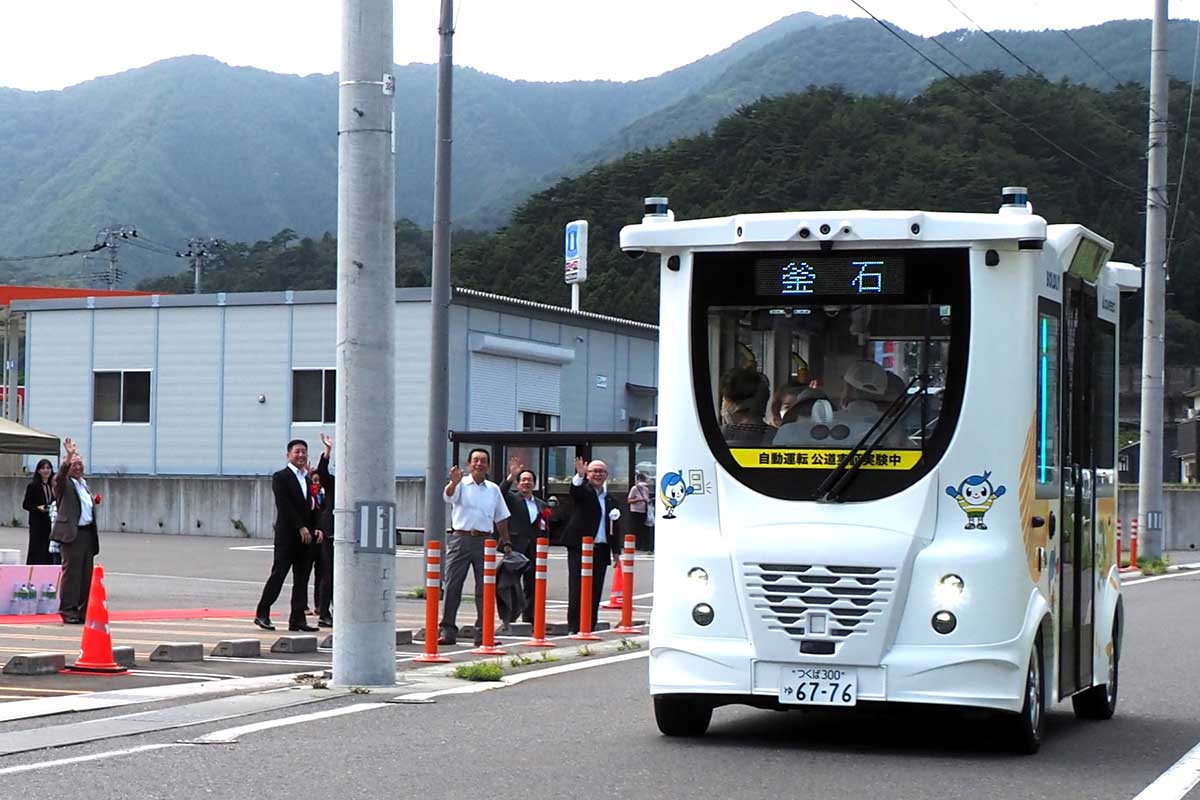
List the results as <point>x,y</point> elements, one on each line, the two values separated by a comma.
<point>812,274</point>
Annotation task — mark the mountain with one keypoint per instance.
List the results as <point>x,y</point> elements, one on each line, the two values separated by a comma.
<point>944,149</point>
<point>192,147</point>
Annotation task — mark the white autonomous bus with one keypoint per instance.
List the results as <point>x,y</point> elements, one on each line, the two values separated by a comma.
<point>885,463</point>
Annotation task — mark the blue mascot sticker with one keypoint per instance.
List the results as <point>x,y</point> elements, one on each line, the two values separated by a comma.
<point>975,496</point>
<point>673,491</point>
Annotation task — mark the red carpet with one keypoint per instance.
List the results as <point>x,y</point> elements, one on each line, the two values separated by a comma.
<point>133,616</point>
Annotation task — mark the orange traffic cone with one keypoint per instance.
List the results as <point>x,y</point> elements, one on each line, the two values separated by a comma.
<point>95,651</point>
<point>617,597</point>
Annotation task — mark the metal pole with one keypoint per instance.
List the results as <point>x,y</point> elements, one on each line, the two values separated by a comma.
<point>1150,489</point>
<point>197,266</point>
<point>12,362</point>
<point>575,292</point>
<point>439,352</point>
<point>364,651</point>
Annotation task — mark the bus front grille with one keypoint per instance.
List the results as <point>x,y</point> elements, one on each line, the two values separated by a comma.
<point>832,602</point>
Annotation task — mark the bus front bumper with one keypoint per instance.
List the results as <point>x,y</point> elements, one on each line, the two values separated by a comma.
<point>990,676</point>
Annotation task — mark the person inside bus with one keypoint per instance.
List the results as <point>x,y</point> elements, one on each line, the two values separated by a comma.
<point>784,400</point>
<point>744,397</point>
<point>808,422</point>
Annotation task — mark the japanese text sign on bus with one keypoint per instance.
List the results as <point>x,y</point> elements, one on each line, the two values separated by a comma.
<point>575,261</point>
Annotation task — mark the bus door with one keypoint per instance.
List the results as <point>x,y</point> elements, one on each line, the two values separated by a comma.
<point>1078,495</point>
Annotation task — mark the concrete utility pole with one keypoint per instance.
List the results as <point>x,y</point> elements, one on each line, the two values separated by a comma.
<point>198,253</point>
<point>364,603</point>
<point>111,239</point>
<point>439,353</point>
<point>1150,480</point>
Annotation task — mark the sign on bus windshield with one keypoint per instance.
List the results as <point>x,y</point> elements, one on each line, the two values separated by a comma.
<point>809,274</point>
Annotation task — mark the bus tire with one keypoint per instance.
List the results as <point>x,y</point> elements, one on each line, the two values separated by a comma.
<point>679,715</point>
<point>1100,701</point>
<point>1026,726</point>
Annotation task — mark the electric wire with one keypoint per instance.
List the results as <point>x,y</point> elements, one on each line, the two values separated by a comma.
<point>998,107</point>
<point>1116,81</point>
<point>63,254</point>
<point>997,42</point>
<point>952,54</point>
<point>1187,131</point>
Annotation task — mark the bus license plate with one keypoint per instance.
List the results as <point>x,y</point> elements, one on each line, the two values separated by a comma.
<point>819,686</point>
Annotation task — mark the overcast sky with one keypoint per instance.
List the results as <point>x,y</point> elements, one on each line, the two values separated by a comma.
<point>56,43</point>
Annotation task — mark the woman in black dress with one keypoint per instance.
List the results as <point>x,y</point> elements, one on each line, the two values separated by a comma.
<point>37,503</point>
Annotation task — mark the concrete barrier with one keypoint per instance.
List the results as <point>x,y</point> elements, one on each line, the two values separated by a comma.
<point>123,655</point>
<point>403,636</point>
<point>327,642</point>
<point>178,651</point>
<point>237,648</point>
<point>36,664</point>
<point>295,644</point>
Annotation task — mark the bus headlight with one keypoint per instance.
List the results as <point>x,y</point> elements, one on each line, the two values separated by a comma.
<point>703,614</point>
<point>698,574</point>
<point>949,590</point>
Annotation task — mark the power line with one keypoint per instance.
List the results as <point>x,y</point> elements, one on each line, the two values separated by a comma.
<point>64,254</point>
<point>998,107</point>
<point>1187,131</point>
<point>998,43</point>
<point>1116,81</point>
<point>952,54</point>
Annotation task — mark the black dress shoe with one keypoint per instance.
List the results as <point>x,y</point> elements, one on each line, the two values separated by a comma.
<point>265,624</point>
<point>304,627</point>
<point>69,620</point>
<point>325,622</point>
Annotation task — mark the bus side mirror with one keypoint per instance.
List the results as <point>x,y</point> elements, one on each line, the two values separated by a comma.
<point>1051,524</point>
<point>1037,522</point>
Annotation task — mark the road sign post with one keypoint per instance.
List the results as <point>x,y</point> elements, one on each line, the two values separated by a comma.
<point>575,258</point>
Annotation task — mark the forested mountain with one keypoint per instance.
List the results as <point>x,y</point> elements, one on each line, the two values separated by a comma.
<point>191,147</point>
<point>824,148</point>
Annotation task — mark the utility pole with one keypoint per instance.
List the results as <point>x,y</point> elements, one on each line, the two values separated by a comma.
<point>364,606</point>
<point>1150,477</point>
<point>439,353</point>
<point>198,252</point>
<point>111,239</point>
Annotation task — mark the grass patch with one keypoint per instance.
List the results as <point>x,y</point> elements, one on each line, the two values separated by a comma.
<point>628,644</point>
<point>520,660</point>
<point>547,658</point>
<point>584,651</point>
<point>359,690</point>
<point>484,671</point>
<point>417,593</point>
<point>1154,566</point>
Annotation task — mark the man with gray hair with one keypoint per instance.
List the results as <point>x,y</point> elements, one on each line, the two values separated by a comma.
<point>75,529</point>
<point>592,505</point>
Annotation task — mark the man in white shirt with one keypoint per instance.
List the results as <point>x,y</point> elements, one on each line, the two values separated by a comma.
<point>476,508</point>
<point>293,535</point>
<point>529,520</point>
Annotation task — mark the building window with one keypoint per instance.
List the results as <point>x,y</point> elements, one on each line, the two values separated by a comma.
<point>121,396</point>
<point>534,421</point>
<point>314,393</point>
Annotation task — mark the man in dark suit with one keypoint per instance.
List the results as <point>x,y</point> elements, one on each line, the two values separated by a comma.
<point>528,521</point>
<point>589,517</point>
<point>293,537</point>
<point>321,502</point>
<point>75,529</point>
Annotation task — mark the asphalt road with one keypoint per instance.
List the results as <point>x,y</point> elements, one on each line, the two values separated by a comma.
<point>591,733</point>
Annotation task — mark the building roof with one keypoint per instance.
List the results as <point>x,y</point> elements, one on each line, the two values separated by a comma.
<point>10,293</point>
<point>84,298</point>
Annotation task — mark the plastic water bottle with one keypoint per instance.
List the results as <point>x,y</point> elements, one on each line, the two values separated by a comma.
<point>48,601</point>
<point>20,603</point>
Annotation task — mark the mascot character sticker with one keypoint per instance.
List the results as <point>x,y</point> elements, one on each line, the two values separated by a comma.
<point>673,491</point>
<point>975,496</point>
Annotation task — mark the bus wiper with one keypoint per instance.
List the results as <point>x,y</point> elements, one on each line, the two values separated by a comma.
<point>844,473</point>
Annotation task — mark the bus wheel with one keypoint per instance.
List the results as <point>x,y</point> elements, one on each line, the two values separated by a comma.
<point>1026,731</point>
<point>678,715</point>
<point>1100,702</point>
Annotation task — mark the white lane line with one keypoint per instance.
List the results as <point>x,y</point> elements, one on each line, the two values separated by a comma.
<point>268,661</point>
<point>61,762</point>
<point>204,676</point>
<point>1177,781</point>
<point>230,735</point>
<point>1153,578</point>
<point>182,578</point>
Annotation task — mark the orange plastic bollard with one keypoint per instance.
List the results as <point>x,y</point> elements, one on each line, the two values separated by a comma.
<point>433,586</point>
<point>95,650</point>
<point>541,575</point>
<point>627,558</point>
<point>489,648</point>
<point>1119,542</point>
<point>617,596</point>
<point>585,593</point>
<point>1133,526</point>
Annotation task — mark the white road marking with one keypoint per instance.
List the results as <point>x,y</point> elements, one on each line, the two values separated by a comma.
<point>230,735</point>
<point>203,676</point>
<point>417,553</point>
<point>180,578</point>
<point>1177,781</point>
<point>62,762</point>
<point>1153,578</point>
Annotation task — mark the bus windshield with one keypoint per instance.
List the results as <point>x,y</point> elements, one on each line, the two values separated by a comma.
<point>791,381</point>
